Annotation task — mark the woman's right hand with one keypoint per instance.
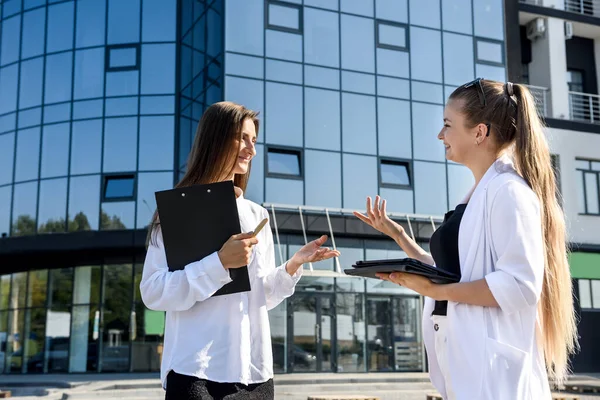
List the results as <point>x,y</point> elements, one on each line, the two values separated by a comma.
<point>237,250</point>
<point>377,218</point>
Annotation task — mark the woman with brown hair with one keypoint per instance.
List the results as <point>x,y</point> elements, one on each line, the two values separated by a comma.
<point>509,324</point>
<point>220,347</point>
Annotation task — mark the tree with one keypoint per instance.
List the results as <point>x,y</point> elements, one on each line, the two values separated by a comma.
<point>110,223</point>
<point>24,225</point>
<point>79,223</point>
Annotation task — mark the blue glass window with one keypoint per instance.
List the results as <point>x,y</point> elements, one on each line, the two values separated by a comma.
<point>89,74</point>
<point>358,44</point>
<point>11,7</point>
<point>87,109</point>
<point>86,147</point>
<point>458,59</point>
<point>9,78</point>
<point>285,17</point>
<point>8,122</point>
<point>5,198</point>
<point>490,52</point>
<point>57,113</point>
<point>118,215</point>
<point>84,203</point>
<point>34,30</point>
<point>31,83</point>
<point>52,207</point>
<point>123,83</point>
<point>30,117</point>
<point>121,106</point>
<point>118,187</point>
<point>148,184</point>
<point>91,22</point>
<point>457,16</point>
<point>120,144</point>
<point>283,162</point>
<point>28,150</point>
<point>157,105</point>
<point>123,21</point>
<point>425,13</point>
<point>158,69</point>
<point>242,36</point>
<point>361,7</point>
<point>122,58</point>
<point>60,27</point>
<point>157,143</point>
<point>159,21</point>
<point>392,10</point>
<point>7,152</point>
<point>395,173</point>
<point>55,150</point>
<point>284,45</point>
<point>59,67</point>
<point>24,209</point>
<point>11,39</point>
<point>284,108</point>
<point>392,36</point>
<point>321,38</point>
<point>33,3</point>
<point>426,54</point>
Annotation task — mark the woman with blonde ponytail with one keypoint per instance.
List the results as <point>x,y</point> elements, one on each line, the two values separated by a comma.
<point>506,330</point>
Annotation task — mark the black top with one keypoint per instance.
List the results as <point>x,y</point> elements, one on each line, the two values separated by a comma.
<point>444,249</point>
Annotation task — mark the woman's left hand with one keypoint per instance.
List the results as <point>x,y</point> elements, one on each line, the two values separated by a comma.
<point>418,283</point>
<point>311,252</point>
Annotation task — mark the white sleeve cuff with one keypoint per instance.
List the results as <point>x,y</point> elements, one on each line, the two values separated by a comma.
<point>290,281</point>
<point>212,267</point>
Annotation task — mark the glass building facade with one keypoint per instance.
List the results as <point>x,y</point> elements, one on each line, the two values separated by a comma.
<point>99,103</point>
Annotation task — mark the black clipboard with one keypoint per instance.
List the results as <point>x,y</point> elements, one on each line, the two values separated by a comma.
<point>196,221</point>
<point>369,269</point>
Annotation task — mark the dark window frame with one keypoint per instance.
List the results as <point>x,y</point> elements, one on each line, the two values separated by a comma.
<point>594,307</point>
<point>582,83</point>
<point>391,46</point>
<point>118,175</point>
<point>395,161</point>
<point>477,39</point>
<point>138,57</point>
<point>280,28</point>
<point>582,173</point>
<point>284,150</point>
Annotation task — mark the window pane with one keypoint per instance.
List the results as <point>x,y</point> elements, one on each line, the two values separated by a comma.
<point>490,72</point>
<point>7,152</point>
<point>116,216</point>
<point>83,354</point>
<point>124,57</point>
<point>28,150</point>
<point>34,30</point>
<point>14,346</point>
<point>284,114</point>
<point>121,106</point>
<point>427,122</point>
<point>55,150</point>
<point>148,184</point>
<point>122,83</point>
<point>157,142</point>
<point>326,78</point>
<point>596,293</point>
<point>60,27</point>
<point>86,146</point>
<point>460,181</point>
<point>392,35</point>
<point>458,59</point>
<point>329,4</point>
<point>285,17</point>
<point>117,317</point>
<point>8,122</point>
<point>287,46</point>
<point>159,21</point>
<point>120,144</point>
<point>358,44</point>
<point>489,51</point>
<point>35,329</point>
<point>91,18</point>
<point>117,186</point>
<point>57,113</point>
<point>9,78</point>
<point>89,73</point>
<point>5,200</point>
<point>489,18</point>
<point>456,16</point>
<point>52,206</point>
<point>18,290</point>
<point>24,209</point>
<point>284,71</point>
<point>244,24</point>
<point>596,166</point>
<point>30,117</point>
<point>591,191</point>
<point>87,109</point>
<point>321,38</point>
<point>11,38</point>
<point>580,192</point>
<point>11,7</point>
<point>284,191</point>
<point>585,295</point>
<point>425,13</point>
<point>4,293</point>
<point>36,294</point>
<point>393,62</point>
<point>393,128</point>
<point>395,173</point>
<point>358,123</point>
<point>323,192</point>
<point>392,10</point>
<point>60,288</point>
<point>392,87</point>
<point>256,185</point>
<point>158,71</point>
<point>248,92</point>
<point>123,21</point>
<point>286,163</point>
<point>360,180</point>
<point>157,105</point>
<point>358,82</point>
<point>84,202</point>
<point>428,92</point>
<point>582,164</point>
<point>322,119</point>
<point>238,64</point>
<point>398,200</point>
<point>58,88</point>
<point>430,181</point>
<point>361,7</point>
<point>426,55</point>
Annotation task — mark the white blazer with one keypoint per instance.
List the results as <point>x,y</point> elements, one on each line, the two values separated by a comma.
<point>494,353</point>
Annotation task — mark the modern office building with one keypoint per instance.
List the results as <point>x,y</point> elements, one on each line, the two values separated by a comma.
<point>99,103</point>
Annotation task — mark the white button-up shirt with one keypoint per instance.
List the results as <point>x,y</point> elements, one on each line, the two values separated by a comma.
<point>223,338</point>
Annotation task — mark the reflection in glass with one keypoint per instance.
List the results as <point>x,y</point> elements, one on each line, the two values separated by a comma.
<point>55,150</point>
<point>3,338</point>
<point>278,323</point>
<point>148,184</point>
<point>350,322</point>
<point>395,173</point>
<point>489,51</point>
<point>398,200</point>
<point>30,117</point>
<point>7,152</point>
<point>591,190</point>
<point>34,30</point>
<point>491,72</point>
<point>329,4</point>
<point>9,78</point>
<point>59,67</point>
<point>426,54</point>
<point>122,57</point>
<point>36,293</point>
<point>460,181</point>
<point>117,216</point>
<point>430,181</point>
<point>393,128</point>
<point>407,335</point>
<point>392,10</point>
<point>488,20</point>
<point>157,105</point>
<point>458,59</point>
<point>380,353</point>
<point>249,92</point>
<point>392,35</point>
<point>348,257</point>
<point>58,323</point>
<point>238,64</point>
<point>284,71</point>
<point>34,338</point>
<point>83,354</point>
<point>57,113</point>
<point>86,147</point>
<point>358,43</point>
<point>60,287</point>
<point>89,73</point>
<point>321,38</point>
<point>158,71</point>
<point>11,38</point>
<point>361,7</point>
<point>283,162</point>
<point>358,123</point>
<point>118,186</point>
<point>30,91</point>
<point>5,198</point>
<point>116,317</point>
<point>91,18</point>
<point>121,106</point>
<point>323,192</point>
<point>393,62</point>
<point>147,338</point>
<point>283,16</point>
<point>322,119</point>
<point>358,82</point>
<point>122,83</point>
<point>87,109</point>
<point>14,345</point>
<point>287,46</point>
<point>8,121</point>
<point>425,13</point>
<point>4,292</point>
<point>52,206</point>
<point>159,21</point>
<point>123,21</point>
<point>457,16</point>
<point>157,143</point>
<point>18,290</point>
<point>24,209</point>
<point>120,144</point>
<point>360,180</point>
<point>427,122</point>
<point>305,342</point>
<point>242,36</point>
<point>326,78</point>
<point>60,27</point>
<point>284,191</point>
<point>284,108</point>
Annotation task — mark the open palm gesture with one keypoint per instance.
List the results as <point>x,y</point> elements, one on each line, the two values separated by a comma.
<point>313,252</point>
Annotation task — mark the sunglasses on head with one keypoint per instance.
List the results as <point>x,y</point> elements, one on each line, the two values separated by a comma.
<point>481,94</point>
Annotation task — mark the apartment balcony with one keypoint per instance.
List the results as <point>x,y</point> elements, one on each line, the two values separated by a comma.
<point>541,95</point>
<point>584,107</point>
<point>584,7</point>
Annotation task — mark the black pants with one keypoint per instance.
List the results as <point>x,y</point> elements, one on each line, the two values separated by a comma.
<point>183,387</point>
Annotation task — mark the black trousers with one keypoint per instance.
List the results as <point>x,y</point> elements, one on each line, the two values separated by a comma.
<point>183,387</point>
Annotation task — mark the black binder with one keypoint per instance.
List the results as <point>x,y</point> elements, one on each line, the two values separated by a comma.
<point>196,221</point>
<point>369,269</point>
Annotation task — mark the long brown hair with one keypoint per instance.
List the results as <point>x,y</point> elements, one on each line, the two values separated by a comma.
<point>514,122</point>
<point>214,153</point>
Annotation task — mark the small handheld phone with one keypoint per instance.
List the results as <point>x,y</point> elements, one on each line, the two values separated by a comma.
<point>259,227</point>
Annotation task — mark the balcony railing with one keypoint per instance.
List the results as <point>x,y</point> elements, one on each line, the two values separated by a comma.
<point>586,7</point>
<point>534,2</point>
<point>540,94</point>
<point>584,107</point>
